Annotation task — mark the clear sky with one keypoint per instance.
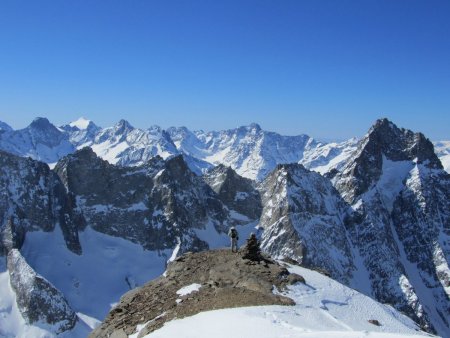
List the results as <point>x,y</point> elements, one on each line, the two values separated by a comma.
<point>325,68</point>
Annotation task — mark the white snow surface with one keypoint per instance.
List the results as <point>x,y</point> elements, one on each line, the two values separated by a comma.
<point>442,150</point>
<point>81,123</point>
<point>188,289</point>
<point>92,283</point>
<point>95,280</point>
<point>324,308</point>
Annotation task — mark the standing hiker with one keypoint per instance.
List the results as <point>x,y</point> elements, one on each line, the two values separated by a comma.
<point>234,236</point>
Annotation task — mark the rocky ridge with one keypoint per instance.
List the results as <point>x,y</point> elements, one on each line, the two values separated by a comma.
<point>220,278</point>
<point>39,301</point>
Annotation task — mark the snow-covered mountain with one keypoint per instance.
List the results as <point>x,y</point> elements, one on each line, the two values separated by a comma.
<point>378,219</point>
<point>249,150</point>
<point>76,229</point>
<point>5,127</point>
<point>400,196</point>
<point>41,141</point>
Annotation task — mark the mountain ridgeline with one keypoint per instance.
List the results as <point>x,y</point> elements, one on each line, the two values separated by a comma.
<point>375,213</point>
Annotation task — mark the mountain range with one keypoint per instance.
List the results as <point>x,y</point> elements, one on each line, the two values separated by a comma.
<point>81,202</point>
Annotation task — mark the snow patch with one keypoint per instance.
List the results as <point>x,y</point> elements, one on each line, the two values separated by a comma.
<point>81,123</point>
<point>186,290</point>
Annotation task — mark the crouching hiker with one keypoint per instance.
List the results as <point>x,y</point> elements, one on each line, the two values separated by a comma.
<point>234,236</point>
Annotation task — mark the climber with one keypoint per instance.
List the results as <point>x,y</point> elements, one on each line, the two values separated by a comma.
<point>234,236</point>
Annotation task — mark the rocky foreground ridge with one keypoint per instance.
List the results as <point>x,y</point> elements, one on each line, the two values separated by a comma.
<point>225,279</point>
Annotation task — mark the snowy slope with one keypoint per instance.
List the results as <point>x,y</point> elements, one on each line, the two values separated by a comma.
<point>324,157</point>
<point>249,150</point>
<point>324,308</point>
<point>12,324</point>
<point>125,145</point>
<point>442,149</point>
<point>91,282</point>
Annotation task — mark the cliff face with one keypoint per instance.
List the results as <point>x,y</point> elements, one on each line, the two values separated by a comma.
<point>33,199</point>
<point>156,205</point>
<point>38,300</point>
<point>303,219</point>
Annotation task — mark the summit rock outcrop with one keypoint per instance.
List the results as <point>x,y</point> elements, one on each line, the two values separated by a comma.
<point>197,282</point>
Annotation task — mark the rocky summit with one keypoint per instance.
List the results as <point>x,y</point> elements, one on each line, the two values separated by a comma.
<point>197,282</point>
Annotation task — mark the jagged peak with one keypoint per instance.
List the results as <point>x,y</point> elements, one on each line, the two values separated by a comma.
<point>155,129</point>
<point>290,167</point>
<point>221,168</point>
<point>82,124</point>
<point>385,122</point>
<point>177,161</point>
<point>85,154</point>
<point>384,137</point>
<point>5,127</point>
<point>252,127</point>
<point>41,123</point>
<point>122,126</point>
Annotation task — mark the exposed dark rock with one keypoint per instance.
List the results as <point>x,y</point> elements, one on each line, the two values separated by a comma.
<point>35,199</point>
<point>39,301</point>
<point>236,192</point>
<point>374,322</point>
<point>155,205</point>
<point>383,139</point>
<point>12,236</point>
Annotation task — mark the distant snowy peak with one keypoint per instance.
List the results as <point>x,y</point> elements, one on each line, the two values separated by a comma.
<point>44,130</point>
<point>125,145</point>
<point>324,157</point>
<point>384,139</point>
<point>249,150</point>
<point>41,140</point>
<point>81,123</point>
<point>5,127</point>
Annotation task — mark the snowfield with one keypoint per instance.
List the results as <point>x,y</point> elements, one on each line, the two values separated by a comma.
<point>325,308</point>
<point>92,283</point>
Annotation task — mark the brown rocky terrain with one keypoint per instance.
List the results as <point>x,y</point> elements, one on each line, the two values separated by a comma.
<point>226,279</point>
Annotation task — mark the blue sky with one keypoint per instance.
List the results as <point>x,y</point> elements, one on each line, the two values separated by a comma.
<point>325,68</point>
